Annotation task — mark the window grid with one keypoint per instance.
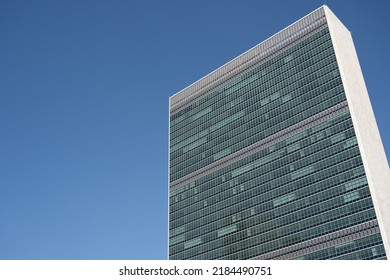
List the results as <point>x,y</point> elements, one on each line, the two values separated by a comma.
<point>299,189</point>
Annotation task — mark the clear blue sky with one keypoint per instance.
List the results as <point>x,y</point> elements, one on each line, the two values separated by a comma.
<point>84,89</point>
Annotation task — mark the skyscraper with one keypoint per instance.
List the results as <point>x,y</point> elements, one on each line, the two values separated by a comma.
<point>277,155</point>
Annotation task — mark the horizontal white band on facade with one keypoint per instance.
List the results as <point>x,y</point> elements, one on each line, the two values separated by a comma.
<point>262,144</point>
<point>323,242</point>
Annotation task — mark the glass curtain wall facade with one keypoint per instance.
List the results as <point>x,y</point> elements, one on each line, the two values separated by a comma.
<point>264,160</point>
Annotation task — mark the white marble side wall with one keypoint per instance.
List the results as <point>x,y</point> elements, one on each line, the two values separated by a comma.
<point>369,141</point>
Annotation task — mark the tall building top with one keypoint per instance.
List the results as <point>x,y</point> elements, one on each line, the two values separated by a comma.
<point>258,54</point>
<point>276,154</point>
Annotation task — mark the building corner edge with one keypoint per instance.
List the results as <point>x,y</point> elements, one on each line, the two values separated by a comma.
<point>367,133</point>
